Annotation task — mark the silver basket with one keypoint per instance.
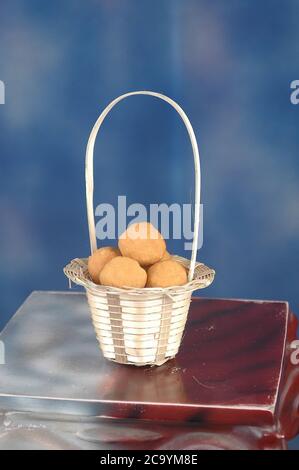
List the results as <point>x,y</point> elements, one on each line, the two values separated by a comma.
<point>139,326</point>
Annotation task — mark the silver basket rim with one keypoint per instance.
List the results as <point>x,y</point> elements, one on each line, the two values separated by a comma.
<point>76,271</point>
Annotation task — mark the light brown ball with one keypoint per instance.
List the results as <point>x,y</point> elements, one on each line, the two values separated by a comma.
<point>123,272</point>
<point>98,259</point>
<point>142,242</point>
<point>166,274</point>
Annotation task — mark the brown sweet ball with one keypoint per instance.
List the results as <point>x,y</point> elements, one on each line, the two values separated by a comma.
<point>123,272</point>
<point>98,259</point>
<point>142,242</point>
<point>166,274</point>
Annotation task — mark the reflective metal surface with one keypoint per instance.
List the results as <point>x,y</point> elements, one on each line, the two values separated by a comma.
<point>53,363</point>
<point>55,370</point>
<point>21,430</point>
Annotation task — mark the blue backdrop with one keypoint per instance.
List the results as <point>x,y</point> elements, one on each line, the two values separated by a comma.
<point>228,63</point>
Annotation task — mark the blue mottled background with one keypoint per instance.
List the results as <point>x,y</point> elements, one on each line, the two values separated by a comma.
<point>228,63</point>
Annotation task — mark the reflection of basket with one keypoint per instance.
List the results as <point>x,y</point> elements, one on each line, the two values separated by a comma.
<point>139,326</point>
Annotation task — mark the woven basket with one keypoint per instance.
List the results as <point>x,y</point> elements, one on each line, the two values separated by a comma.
<point>139,326</point>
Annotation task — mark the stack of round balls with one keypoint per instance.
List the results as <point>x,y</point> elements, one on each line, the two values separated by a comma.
<point>141,260</point>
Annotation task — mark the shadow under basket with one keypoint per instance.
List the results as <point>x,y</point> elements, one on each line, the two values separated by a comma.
<point>139,326</point>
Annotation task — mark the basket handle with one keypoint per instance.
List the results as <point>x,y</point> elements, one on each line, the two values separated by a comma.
<point>89,180</point>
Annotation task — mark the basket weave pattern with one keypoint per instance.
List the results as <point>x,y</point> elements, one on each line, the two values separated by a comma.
<point>139,326</point>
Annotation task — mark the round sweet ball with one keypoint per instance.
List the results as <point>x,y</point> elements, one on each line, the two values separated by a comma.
<point>123,272</point>
<point>166,274</point>
<point>142,242</point>
<point>98,259</point>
